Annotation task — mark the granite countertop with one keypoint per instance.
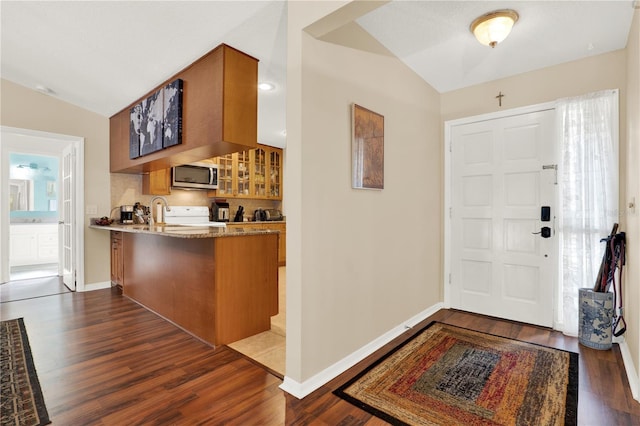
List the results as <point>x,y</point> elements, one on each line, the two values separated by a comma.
<point>181,231</point>
<point>255,222</point>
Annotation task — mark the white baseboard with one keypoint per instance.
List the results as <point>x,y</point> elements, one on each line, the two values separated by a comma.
<point>96,286</point>
<point>300,390</point>
<point>632,374</point>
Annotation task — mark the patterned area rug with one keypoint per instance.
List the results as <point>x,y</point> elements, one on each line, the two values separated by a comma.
<point>448,375</point>
<point>22,401</point>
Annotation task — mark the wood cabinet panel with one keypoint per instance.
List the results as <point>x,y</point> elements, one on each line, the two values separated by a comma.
<point>220,110</point>
<point>275,226</point>
<point>157,182</point>
<point>203,284</point>
<point>246,295</point>
<point>117,259</point>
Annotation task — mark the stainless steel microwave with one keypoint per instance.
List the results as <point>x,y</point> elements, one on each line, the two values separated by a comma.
<point>195,176</point>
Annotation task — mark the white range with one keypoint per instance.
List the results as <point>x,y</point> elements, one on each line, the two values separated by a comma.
<point>189,216</point>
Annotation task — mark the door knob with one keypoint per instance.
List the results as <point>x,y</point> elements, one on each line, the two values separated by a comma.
<point>545,232</point>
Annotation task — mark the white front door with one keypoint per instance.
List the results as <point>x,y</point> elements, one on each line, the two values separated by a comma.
<point>68,218</point>
<point>502,174</point>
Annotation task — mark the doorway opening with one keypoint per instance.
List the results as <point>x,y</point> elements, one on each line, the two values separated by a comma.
<point>33,216</point>
<point>41,207</point>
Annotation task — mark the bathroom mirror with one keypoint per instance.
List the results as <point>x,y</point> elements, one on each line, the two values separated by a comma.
<point>20,194</point>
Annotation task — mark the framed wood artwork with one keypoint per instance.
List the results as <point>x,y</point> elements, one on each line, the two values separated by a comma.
<point>367,149</point>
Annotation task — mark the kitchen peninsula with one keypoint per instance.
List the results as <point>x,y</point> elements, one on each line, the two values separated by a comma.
<point>219,284</point>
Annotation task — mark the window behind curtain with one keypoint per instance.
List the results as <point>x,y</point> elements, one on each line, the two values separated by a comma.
<point>588,169</point>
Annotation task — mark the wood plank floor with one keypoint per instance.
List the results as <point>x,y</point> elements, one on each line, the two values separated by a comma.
<point>104,360</point>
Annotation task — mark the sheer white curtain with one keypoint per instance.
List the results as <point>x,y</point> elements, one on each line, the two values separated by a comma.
<point>588,174</point>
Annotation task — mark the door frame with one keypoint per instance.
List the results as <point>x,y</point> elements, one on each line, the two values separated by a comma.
<point>42,143</point>
<point>446,214</point>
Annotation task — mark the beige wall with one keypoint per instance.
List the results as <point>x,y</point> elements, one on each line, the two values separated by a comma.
<point>368,259</point>
<point>25,108</point>
<point>606,71</point>
<point>632,131</point>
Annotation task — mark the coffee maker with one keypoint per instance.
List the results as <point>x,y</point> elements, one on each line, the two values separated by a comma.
<point>126,214</point>
<point>220,211</point>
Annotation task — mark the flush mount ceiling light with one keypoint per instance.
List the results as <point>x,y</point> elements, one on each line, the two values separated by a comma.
<point>492,28</point>
<point>264,86</point>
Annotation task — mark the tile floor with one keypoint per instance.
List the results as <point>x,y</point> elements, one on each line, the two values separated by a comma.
<point>268,348</point>
<point>33,271</point>
<point>30,288</point>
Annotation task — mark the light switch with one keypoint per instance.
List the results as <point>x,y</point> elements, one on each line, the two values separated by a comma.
<point>91,209</point>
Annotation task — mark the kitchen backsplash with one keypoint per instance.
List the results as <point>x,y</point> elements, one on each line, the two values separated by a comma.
<point>126,189</point>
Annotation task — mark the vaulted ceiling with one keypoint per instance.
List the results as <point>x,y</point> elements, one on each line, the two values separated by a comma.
<point>103,55</point>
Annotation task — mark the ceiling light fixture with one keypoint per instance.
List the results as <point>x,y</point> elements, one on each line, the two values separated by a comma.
<point>494,27</point>
<point>266,87</point>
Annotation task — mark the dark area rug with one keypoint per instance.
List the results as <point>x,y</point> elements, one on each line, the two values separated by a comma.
<point>22,401</point>
<point>447,375</point>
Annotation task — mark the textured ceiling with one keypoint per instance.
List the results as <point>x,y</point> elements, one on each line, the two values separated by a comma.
<point>433,37</point>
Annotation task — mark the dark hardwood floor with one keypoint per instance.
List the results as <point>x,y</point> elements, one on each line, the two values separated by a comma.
<point>104,360</point>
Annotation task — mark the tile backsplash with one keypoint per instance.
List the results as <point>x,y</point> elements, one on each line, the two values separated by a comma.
<point>126,189</point>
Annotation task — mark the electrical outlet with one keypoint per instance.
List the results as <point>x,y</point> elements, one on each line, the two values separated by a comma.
<point>91,209</point>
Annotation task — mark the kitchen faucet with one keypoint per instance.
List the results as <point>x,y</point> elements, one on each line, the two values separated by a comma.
<point>163,200</point>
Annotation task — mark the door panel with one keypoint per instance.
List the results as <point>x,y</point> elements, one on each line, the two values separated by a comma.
<point>499,267</point>
<point>68,214</point>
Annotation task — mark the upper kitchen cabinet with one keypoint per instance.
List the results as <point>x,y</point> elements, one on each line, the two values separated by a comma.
<point>157,182</point>
<point>233,175</point>
<point>219,114</point>
<point>267,172</point>
<point>255,174</point>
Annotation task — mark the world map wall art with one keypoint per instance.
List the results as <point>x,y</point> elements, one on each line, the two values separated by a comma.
<point>156,122</point>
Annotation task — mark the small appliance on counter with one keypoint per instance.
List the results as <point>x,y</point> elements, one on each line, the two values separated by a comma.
<point>126,214</point>
<point>220,211</point>
<point>273,215</point>
<point>239,217</point>
<point>262,215</point>
<point>140,213</point>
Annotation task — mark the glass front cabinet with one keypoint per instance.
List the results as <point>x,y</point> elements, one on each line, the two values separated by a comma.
<point>256,173</point>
